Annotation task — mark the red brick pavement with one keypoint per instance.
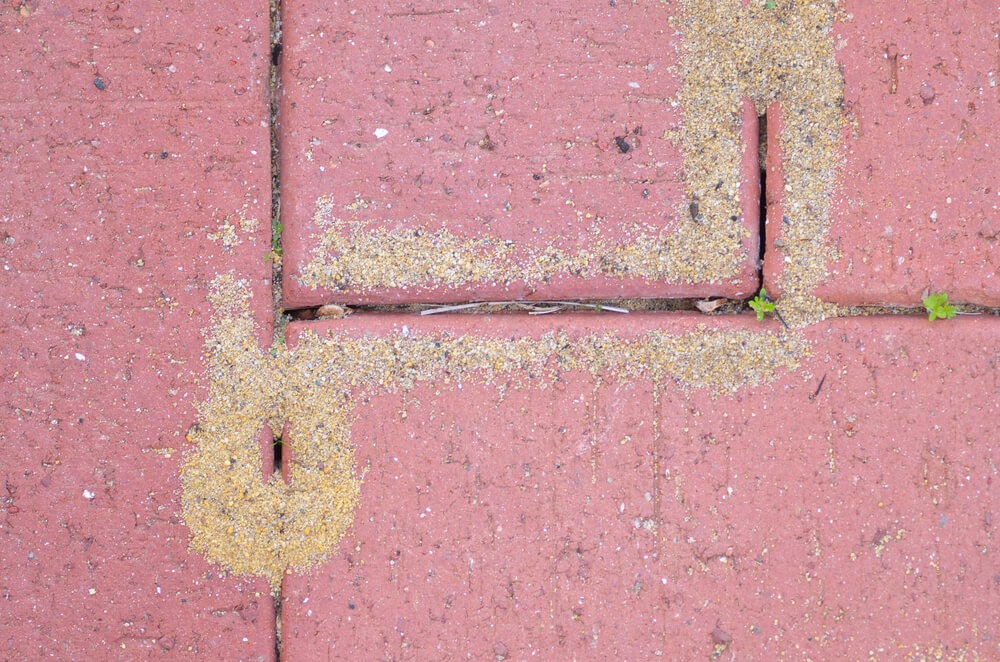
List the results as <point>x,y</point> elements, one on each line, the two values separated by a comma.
<point>918,204</point>
<point>843,510</point>
<point>518,125</point>
<point>130,135</point>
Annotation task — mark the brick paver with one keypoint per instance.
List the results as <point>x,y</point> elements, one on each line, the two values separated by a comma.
<point>567,487</point>
<point>841,512</point>
<point>487,152</point>
<point>918,202</point>
<point>130,136</point>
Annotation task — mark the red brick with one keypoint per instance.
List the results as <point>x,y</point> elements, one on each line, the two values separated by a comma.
<point>842,511</point>
<point>480,103</point>
<point>213,54</point>
<point>109,198</point>
<point>918,199</point>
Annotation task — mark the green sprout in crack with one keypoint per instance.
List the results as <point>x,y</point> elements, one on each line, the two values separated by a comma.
<point>938,307</point>
<point>279,341</point>
<point>275,253</point>
<point>762,304</point>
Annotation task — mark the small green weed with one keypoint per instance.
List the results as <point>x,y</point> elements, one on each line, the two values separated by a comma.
<point>938,307</point>
<point>762,304</point>
<point>274,254</point>
<point>279,338</point>
<point>770,4</point>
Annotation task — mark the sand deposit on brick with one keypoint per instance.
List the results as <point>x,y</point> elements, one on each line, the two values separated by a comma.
<point>257,527</point>
<point>252,526</point>
<point>784,53</point>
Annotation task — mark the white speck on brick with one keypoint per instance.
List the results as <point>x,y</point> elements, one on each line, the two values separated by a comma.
<point>87,494</point>
<point>381,133</point>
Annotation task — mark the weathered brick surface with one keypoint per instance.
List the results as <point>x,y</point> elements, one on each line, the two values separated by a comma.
<point>918,205</point>
<point>843,511</point>
<point>495,122</point>
<point>109,199</point>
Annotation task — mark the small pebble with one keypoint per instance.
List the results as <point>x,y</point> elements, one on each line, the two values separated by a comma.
<point>927,94</point>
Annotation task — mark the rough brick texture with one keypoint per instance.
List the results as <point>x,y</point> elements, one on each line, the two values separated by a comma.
<point>918,205</point>
<point>494,122</point>
<point>131,134</point>
<point>842,511</point>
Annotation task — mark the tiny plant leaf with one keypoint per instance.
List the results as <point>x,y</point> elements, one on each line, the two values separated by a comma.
<point>275,253</point>
<point>276,230</point>
<point>762,304</point>
<point>938,307</point>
